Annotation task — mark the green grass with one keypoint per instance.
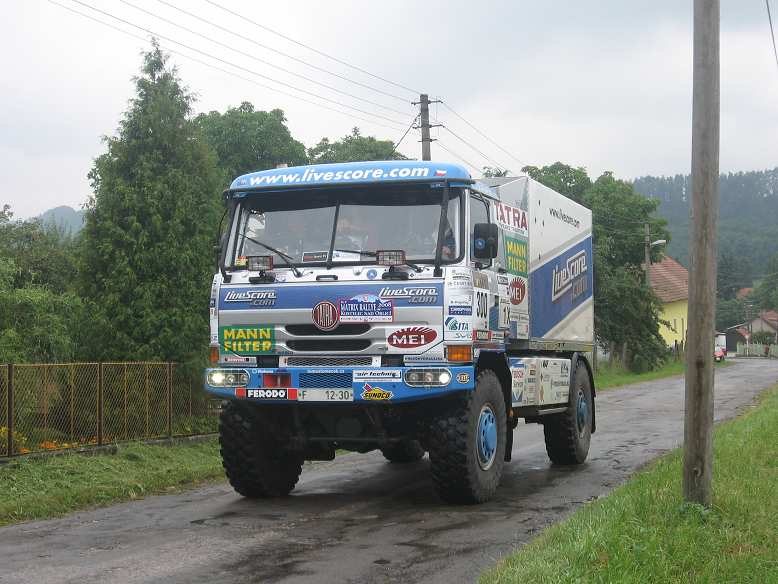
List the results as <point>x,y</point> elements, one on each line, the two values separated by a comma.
<point>616,376</point>
<point>35,488</point>
<point>643,532</point>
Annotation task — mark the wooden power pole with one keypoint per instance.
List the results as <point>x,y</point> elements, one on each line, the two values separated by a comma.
<point>698,419</point>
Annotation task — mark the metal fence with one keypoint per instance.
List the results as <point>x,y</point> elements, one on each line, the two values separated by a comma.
<point>757,350</point>
<point>68,405</point>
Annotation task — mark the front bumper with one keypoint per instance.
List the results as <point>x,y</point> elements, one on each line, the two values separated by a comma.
<point>366,384</point>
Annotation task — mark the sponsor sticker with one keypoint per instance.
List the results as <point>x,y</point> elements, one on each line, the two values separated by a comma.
<point>253,297</point>
<point>570,277</point>
<point>480,280</point>
<point>271,394</point>
<point>377,375</point>
<point>511,218</point>
<point>460,310</point>
<point>452,324</point>
<point>411,337</point>
<point>235,359</point>
<point>315,256</point>
<point>366,308</point>
<point>413,294</point>
<point>517,291</point>
<point>243,340</point>
<point>516,256</point>
<point>463,378</point>
<point>482,335</point>
<point>373,393</point>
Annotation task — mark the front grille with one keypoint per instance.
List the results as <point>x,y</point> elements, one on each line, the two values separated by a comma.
<point>325,380</point>
<point>355,361</point>
<point>309,330</point>
<point>329,345</point>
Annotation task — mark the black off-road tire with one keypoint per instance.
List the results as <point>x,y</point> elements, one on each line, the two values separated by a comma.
<point>254,461</point>
<point>457,474</point>
<point>405,451</point>
<point>565,442</point>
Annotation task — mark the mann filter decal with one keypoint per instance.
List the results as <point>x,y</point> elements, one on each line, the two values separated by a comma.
<point>516,256</point>
<point>242,340</point>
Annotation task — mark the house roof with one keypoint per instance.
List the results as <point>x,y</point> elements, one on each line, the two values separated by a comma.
<point>669,280</point>
<point>770,317</point>
<point>743,292</point>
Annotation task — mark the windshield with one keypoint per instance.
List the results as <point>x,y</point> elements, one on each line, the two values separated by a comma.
<point>300,225</point>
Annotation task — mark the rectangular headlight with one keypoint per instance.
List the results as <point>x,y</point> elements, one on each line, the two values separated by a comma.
<point>390,257</point>
<point>427,377</point>
<point>262,263</point>
<point>228,377</point>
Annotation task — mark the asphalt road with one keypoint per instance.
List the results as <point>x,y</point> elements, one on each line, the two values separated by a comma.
<point>358,518</point>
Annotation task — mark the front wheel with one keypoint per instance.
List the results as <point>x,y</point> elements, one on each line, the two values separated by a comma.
<point>467,444</point>
<point>569,434</point>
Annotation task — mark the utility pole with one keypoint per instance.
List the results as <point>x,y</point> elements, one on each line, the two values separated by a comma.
<point>698,418</point>
<point>424,124</point>
<point>647,243</point>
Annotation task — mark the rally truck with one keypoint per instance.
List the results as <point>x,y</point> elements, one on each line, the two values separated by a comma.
<point>399,306</point>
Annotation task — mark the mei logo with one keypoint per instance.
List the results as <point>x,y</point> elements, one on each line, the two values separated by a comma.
<point>570,277</point>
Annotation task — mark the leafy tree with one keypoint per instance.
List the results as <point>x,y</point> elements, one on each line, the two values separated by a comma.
<point>766,292</point>
<point>353,148</point>
<point>246,140</point>
<point>571,182</point>
<point>621,297</point>
<point>494,172</point>
<point>150,226</point>
<point>733,274</point>
<point>729,313</point>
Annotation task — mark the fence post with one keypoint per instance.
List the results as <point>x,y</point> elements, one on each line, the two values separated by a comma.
<point>100,404</point>
<point>169,384</point>
<point>10,412</point>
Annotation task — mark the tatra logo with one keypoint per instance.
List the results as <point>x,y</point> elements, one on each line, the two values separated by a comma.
<point>410,337</point>
<point>375,393</point>
<point>575,267</point>
<point>325,316</point>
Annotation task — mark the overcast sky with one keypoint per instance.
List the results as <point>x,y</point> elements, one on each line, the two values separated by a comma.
<point>600,84</point>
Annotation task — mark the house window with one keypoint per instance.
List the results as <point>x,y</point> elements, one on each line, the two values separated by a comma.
<point>675,325</point>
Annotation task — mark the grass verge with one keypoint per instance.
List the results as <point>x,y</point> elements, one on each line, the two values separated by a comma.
<point>36,488</point>
<point>643,532</point>
<point>616,376</point>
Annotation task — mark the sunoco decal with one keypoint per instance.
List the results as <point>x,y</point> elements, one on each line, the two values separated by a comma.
<point>247,340</point>
<point>366,308</point>
<point>372,393</point>
<point>412,337</point>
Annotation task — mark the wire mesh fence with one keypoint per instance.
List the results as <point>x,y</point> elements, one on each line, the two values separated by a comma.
<point>58,406</point>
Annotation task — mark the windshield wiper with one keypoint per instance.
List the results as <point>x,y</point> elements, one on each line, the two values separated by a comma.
<point>374,254</point>
<point>286,257</point>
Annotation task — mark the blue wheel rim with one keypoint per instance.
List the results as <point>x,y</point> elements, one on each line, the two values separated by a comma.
<point>581,412</point>
<point>486,437</point>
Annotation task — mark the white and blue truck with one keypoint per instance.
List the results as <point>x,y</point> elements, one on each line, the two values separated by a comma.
<point>400,306</point>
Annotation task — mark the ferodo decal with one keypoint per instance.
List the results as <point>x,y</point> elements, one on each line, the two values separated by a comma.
<point>411,337</point>
<point>366,308</point>
<point>244,340</point>
<point>517,291</point>
<point>372,393</point>
<point>271,394</point>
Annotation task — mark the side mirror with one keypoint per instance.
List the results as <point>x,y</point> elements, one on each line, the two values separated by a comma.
<point>485,238</point>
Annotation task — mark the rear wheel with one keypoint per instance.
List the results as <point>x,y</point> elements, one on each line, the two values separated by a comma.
<point>569,434</point>
<point>467,444</point>
<point>404,451</point>
<point>255,461</point>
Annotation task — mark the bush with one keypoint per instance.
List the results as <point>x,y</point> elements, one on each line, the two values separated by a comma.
<point>20,442</point>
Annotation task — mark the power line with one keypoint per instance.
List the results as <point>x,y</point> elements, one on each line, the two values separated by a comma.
<point>466,143</point>
<point>310,48</point>
<point>483,135</point>
<point>230,73</point>
<point>772,32</point>
<point>455,155</point>
<point>397,145</point>
<point>258,59</point>
<point>283,54</point>
<point>146,30</point>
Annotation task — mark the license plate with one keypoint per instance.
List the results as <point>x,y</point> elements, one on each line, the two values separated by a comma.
<point>337,395</point>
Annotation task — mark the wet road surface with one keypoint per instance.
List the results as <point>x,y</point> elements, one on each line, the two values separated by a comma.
<point>358,518</point>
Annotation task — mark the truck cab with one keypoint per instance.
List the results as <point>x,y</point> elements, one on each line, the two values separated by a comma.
<point>390,305</point>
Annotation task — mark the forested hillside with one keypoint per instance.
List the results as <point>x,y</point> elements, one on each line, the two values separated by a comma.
<point>748,218</point>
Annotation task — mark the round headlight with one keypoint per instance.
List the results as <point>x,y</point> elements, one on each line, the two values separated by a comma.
<point>217,378</point>
<point>444,378</point>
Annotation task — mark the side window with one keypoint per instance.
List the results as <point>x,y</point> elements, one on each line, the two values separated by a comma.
<point>479,213</point>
